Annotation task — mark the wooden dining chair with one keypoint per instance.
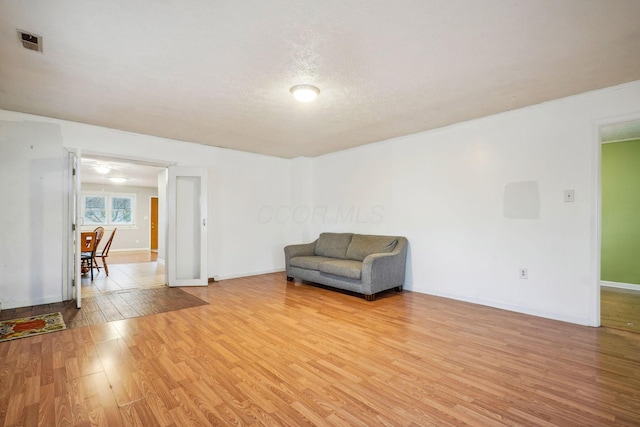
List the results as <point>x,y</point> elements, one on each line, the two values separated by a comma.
<point>105,252</point>
<point>88,250</point>
<point>99,233</point>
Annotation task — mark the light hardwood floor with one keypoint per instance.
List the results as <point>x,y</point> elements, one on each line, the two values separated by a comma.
<point>620,308</point>
<point>268,352</point>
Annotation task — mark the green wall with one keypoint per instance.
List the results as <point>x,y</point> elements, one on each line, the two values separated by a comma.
<point>621,212</point>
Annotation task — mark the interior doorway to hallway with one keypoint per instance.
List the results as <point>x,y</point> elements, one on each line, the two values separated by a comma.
<point>619,228</point>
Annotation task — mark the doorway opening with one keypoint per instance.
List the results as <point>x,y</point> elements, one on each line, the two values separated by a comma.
<point>619,228</point>
<point>116,194</point>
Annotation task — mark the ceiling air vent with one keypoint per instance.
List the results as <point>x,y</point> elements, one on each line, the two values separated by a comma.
<point>30,41</point>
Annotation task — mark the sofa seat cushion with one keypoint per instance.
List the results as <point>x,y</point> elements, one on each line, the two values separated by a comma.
<point>362,246</point>
<point>333,245</point>
<point>342,267</point>
<point>309,262</point>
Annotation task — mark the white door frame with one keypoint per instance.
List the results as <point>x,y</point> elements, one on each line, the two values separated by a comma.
<point>79,222</point>
<point>68,227</point>
<point>73,205</point>
<point>72,285</point>
<point>596,226</point>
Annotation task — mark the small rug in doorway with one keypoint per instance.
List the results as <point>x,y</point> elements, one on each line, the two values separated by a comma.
<point>30,326</point>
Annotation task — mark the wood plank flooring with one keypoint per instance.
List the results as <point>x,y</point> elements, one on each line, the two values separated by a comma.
<point>620,308</point>
<point>268,352</point>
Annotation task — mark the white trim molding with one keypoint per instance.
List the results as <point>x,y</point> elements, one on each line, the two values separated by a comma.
<point>629,286</point>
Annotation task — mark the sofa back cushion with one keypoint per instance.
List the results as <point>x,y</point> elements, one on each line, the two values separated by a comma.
<point>333,245</point>
<point>363,245</point>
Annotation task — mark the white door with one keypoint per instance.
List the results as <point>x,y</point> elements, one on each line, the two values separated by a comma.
<point>187,226</point>
<point>74,289</point>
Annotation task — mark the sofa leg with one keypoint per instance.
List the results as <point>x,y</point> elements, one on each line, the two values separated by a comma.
<point>399,288</point>
<point>289,279</point>
<point>371,297</point>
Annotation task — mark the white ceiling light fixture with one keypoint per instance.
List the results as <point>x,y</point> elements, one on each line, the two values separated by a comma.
<point>118,180</point>
<point>305,93</point>
<point>102,169</point>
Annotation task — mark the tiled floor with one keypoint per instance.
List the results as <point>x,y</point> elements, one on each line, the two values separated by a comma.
<point>132,289</point>
<point>110,306</point>
<point>128,303</point>
<point>143,275</point>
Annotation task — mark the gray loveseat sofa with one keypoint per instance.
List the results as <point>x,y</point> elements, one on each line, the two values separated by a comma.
<point>359,263</point>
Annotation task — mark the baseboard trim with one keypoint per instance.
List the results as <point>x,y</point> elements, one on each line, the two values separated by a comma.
<point>7,305</point>
<point>248,274</point>
<point>629,286</point>
<point>506,306</point>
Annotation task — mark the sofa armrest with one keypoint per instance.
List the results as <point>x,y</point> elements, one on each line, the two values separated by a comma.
<point>305,249</point>
<point>382,271</point>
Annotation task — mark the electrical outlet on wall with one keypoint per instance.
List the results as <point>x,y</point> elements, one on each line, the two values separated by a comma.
<point>524,274</point>
<point>569,196</point>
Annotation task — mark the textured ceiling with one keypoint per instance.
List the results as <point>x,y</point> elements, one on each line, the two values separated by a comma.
<point>219,72</point>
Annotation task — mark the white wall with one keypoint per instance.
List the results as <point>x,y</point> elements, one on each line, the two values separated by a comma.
<point>135,237</point>
<point>445,189</point>
<point>31,218</point>
<point>296,213</point>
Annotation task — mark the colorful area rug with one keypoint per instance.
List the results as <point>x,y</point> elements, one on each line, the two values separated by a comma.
<point>30,326</point>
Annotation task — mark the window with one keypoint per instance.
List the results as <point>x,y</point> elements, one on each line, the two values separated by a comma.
<point>95,209</point>
<point>121,210</point>
<point>109,209</point>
